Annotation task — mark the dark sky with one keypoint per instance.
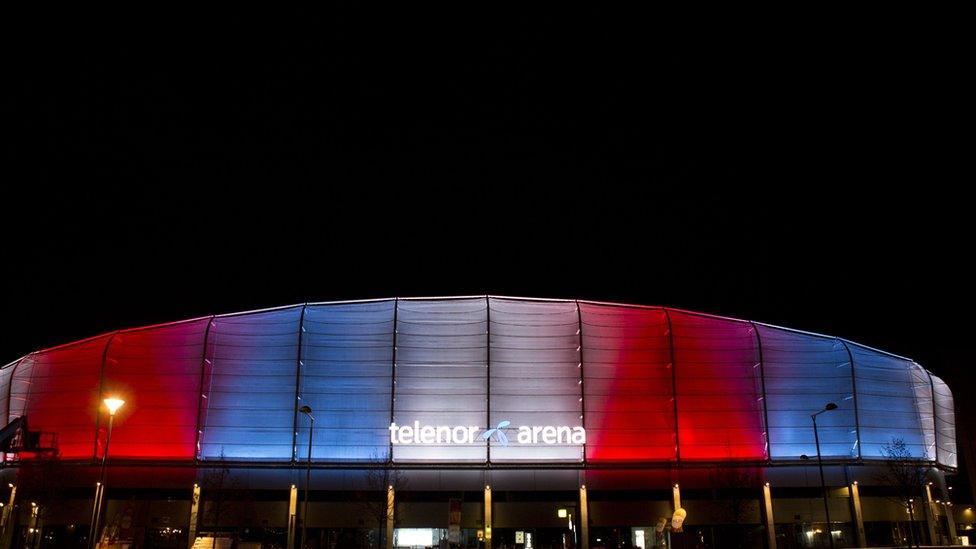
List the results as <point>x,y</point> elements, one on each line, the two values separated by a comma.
<point>811,177</point>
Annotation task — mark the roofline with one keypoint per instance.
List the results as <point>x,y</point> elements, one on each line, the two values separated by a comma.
<point>12,363</point>
<point>446,298</point>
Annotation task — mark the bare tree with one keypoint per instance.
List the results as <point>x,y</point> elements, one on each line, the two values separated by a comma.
<point>732,485</point>
<point>733,482</point>
<point>227,502</point>
<point>906,475</point>
<point>379,477</point>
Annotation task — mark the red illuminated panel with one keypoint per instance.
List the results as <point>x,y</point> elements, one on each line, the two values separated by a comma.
<point>58,391</point>
<point>6,373</point>
<point>719,388</point>
<point>627,384</point>
<point>156,370</point>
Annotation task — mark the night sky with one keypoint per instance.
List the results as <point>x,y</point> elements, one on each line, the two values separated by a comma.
<point>804,177</point>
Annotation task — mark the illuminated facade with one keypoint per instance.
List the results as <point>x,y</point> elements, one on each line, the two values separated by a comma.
<point>479,384</point>
<point>649,384</point>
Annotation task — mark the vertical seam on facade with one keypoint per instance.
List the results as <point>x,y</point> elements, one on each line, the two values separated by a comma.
<point>393,365</point>
<point>213,364</point>
<point>200,400</point>
<point>101,389</point>
<point>298,385</point>
<point>10,391</point>
<point>10,386</point>
<point>488,377</point>
<point>674,386</point>
<point>582,381</point>
<point>765,398</point>
<point>857,418</point>
<point>935,412</point>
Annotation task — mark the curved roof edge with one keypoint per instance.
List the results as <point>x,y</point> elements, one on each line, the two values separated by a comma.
<point>419,298</point>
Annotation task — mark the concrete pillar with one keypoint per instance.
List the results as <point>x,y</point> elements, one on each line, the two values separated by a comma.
<point>676,496</point>
<point>9,507</point>
<point>947,509</point>
<point>930,515</point>
<point>858,516</point>
<point>770,521</point>
<point>96,515</point>
<point>584,519</point>
<point>487,516</point>
<point>292,510</point>
<point>194,513</point>
<point>951,520</point>
<point>390,509</point>
<point>6,522</point>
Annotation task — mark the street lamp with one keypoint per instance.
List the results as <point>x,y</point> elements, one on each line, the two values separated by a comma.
<point>113,404</point>
<point>307,410</point>
<point>823,485</point>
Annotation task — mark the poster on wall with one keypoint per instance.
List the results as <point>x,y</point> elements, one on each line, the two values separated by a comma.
<point>454,521</point>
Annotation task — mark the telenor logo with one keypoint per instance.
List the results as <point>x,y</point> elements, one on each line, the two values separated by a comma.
<point>499,434</point>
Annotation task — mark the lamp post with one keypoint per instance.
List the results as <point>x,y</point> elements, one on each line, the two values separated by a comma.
<point>823,485</point>
<point>911,522</point>
<point>307,410</point>
<point>113,404</point>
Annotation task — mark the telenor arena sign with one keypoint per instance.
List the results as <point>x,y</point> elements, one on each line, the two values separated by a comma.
<point>469,434</point>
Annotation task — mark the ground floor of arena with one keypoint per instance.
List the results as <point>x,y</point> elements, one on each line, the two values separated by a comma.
<point>227,508</point>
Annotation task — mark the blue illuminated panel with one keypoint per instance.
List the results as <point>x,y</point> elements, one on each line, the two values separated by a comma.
<point>945,423</point>
<point>887,402</point>
<point>924,403</point>
<point>251,376</point>
<point>346,378</point>
<point>803,372</point>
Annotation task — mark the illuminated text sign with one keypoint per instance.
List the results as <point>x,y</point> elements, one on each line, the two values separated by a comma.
<point>469,434</point>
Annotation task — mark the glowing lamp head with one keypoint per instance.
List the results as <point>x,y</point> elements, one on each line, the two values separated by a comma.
<point>113,404</point>
<point>561,513</point>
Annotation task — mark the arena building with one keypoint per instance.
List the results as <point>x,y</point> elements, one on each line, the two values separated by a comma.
<point>472,421</point>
